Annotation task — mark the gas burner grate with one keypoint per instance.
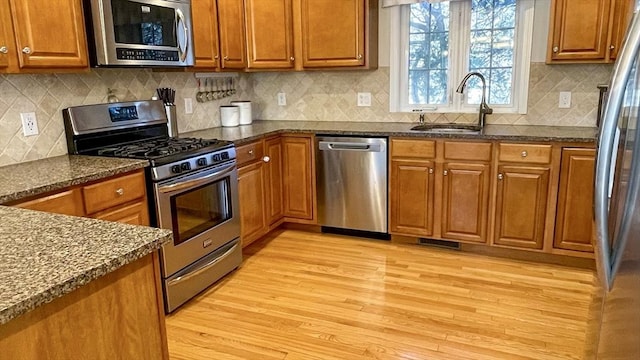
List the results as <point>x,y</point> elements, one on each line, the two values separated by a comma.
<point>156,148</point>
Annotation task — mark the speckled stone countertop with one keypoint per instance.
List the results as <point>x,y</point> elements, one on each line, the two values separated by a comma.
<point>40,176</point>
<point>259,129</point>
<point>44,256</point>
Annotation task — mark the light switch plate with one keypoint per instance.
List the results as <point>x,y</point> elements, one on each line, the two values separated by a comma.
<point>29,124</point>
<point>564,102</point>
<point>282,99</point>
<point>188,106</point>
<point>364,99</point>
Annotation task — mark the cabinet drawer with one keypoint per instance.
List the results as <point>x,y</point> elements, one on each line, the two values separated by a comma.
<point>67,202</point>
<point>134,214</point>
<point>418,149</point>
<point>113,192</point>
<point>525,153</point>
<point>249,153</point>
<point>454,150</point>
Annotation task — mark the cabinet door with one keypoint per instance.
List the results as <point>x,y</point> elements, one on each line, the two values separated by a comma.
<point>579,30</point>
<point>622,13</point>
<point>7,43</point>
<point>465,198</point>
<point>252,194</point>
<point>273,178</point>
<point>521,206</point>
<point>134,214</point>
<point>333,32</point>
<point>411,197</point>
<point>232,39</point>
<point>299,182</point>
<point>50,33</point>
<point>269,34</point>
<point>575,200</point>
<point>205,33</point>
<point>68,202</point>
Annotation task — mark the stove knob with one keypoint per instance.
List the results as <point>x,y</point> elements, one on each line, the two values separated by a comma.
<point>202,162</point>
<point>216,157</point>
<point>225,155</point>
<point>185,166</point>
<point>176,169</point>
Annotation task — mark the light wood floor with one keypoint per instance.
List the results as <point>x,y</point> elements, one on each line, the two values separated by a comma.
<point>303,295</point>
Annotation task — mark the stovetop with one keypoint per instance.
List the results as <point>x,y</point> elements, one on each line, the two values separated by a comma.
<point>164,150</point>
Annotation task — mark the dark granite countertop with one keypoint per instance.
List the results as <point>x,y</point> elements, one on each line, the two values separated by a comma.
<point>41,176</point>
<point>262,128</point>
<point>44,256</point>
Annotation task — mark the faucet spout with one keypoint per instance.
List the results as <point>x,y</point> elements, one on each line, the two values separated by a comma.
<point>484,108</point>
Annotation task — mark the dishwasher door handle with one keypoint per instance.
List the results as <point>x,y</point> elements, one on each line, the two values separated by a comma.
<point>349,146</point>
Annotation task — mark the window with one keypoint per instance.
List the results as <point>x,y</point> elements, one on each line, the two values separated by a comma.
<point>437,44</point>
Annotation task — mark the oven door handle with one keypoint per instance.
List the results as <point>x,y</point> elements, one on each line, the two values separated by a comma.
<point>203,268</point>
<point>196,182</point>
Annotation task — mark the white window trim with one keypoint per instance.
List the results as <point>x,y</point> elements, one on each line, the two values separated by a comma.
<point>399,55</point>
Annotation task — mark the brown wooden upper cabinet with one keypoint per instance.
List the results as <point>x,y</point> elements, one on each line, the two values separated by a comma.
<point>42,35</point>
<point>269,34</point>
<point>587,30</point>
<point>219,35</point>
<point>232,36</point>
<point>338,33</point>
<point>204,14</point>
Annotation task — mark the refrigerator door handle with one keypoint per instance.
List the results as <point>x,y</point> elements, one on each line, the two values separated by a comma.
<point>621,73</point>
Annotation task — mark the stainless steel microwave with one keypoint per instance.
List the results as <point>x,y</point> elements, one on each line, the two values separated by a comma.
<point>140,32</point>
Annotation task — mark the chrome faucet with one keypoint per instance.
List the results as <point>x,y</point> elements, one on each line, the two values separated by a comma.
<point>484,108</point>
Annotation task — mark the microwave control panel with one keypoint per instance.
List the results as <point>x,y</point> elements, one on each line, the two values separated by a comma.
<point>146,54</point>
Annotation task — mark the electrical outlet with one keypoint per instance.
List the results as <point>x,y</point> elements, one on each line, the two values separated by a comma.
<point>565,100</point>
<point>188,106</point>
<point>282,99</point>
<point>29,124</point>
<point>364,99</point>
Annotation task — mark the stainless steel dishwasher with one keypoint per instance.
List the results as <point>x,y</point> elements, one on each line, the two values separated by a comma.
<point>351,176</point>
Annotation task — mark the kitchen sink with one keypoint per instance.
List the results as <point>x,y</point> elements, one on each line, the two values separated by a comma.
<point>447,129</point>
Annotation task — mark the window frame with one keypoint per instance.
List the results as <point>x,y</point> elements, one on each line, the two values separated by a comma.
<point>459,44</point>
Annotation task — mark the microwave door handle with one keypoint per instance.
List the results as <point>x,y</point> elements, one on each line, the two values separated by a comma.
<point>181,20</point>
<point>197,181</point>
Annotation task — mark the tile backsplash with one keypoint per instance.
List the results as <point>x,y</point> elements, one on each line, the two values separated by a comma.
<point>317,95</point>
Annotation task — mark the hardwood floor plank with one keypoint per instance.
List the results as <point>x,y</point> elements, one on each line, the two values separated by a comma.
<point>310,296</point>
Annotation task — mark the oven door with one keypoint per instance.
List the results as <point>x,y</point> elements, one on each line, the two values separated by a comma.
<point>202,210</point>
<point>142,32</point>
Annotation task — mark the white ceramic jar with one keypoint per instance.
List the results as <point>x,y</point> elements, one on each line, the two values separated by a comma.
<point>245,111</point>
<point>229,115</point>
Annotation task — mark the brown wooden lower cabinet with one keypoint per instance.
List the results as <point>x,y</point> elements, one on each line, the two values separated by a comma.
<point>574,219</point>
<point>135,214</point>
<point>66,202</point>
<point>251,189</point>
<point>521,206</point>
<point>117,316</point>
<point>411,197</point>
<point>465,201</point>
<point>274,180</point>
<point>299,177</point>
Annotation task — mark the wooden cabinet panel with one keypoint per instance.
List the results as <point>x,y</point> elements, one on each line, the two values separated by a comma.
<point>621,16</point>
<point>469,151</point>
<point>252,202</point>
<point>232,38</point>
<point>465,202</point>
<point>411,197</point>
<point>114,192</point>
<point>134,214</point>
<point>67,202</point>
<point>269,34</point>
<point>521,206</point>
<point>575,200</point>
<point>273,179</point>
<point>50,33</point>
<point>525,153</point>
<point>329,39</point>
<point>418,149</point>
<point>299,184</point>
<point>205,33</point>
<point>249,153</point>
<point>8,57</point>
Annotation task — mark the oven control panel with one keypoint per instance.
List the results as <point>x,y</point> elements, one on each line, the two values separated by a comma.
<point>193,164</point>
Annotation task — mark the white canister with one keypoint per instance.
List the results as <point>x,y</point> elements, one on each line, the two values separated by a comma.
<point>245,111</point>
<point>229,115</point>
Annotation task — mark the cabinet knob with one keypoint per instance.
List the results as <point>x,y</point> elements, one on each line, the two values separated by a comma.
<point>500,176</point>
<point>445,173</point>
<point>266,159</point>
<point>3,50</point>
<point>292,58</point>
<point>524,153</point>
<point>120,191</point>
<point>555,49</point>
<point>216,56</point>
<point>612,47</point>
<point>251,152</point>
<point>226,58</point>
<point>359,56</point>
<point>430,170</point>
<point>27,50</point>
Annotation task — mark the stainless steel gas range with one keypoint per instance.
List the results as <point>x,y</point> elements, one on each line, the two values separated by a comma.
<point>192,185</point>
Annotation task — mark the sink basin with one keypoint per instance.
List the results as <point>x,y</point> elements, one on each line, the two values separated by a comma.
<point>447,129</point>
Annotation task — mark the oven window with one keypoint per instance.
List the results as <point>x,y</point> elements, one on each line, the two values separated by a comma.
<point>200,209</point>
<point>143,24</point>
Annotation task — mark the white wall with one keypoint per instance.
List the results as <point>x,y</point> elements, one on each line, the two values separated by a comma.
<point>540,31</point>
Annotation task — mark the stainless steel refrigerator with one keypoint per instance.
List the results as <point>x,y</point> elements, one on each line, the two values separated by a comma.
<point>616,314</point>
